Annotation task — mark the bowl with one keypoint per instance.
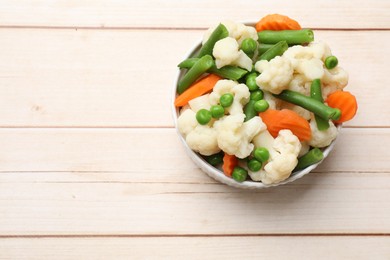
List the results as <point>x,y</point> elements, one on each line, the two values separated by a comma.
<point>217,173</point>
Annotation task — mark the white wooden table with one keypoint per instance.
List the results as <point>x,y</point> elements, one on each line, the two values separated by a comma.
<point>91,167</point>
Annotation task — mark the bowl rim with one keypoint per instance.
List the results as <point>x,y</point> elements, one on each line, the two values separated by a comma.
<point>214,172</point>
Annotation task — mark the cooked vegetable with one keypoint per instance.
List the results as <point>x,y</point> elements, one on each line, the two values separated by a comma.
<point>331,62</point>
<point>200,67</point>
<point>277,120</point>
<point>249,110</point>
<point>257,95</point>
<point>228,72</point>
<point>250,81</point>
<point>261,154</point>
<point>310,104</point>
<point>263,47</point>
<point>226,100</point>
<point>219,33</point>
<point>254,165</point>
<point>315,155</point>
<point>227,52</point>
<point>197,89</point>
<point>261,105</point>
<point>217,111</point>
<point>322,138</point>
<point>249,46</point>
<point>203,116</point>
<point>215,159</point>
<point>344,101</point>
<point>277,22</point>
<point>229,163</point>
<point>290,36</point>
<point>276,50</point>
<point>239,174</point>
<point>315,92</point>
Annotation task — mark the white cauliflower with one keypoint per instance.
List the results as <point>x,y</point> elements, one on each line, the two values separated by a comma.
<point>310,68</point>
<point>227,52</point>
<point>238,31</point>
<point>275,75</point>
<point>322,138</point>
<point>300,84</point>
<point>283,157</point>
<point>199,103</point>
<point>234,135</point>
<point>200,138</point>
<point>240,92</point>
<point>304,149</point>
<point>333,80</point>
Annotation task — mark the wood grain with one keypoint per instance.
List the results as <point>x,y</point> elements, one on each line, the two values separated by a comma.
<point>202,13</point>
<point>119,78</point>
<point>206,248</point>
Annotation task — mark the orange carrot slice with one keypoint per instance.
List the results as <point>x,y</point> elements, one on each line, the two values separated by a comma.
<point>197,89</point>
<point>277,120</point>
<point>277,22</point>
<point>344,101</point>
<point>229,162</point>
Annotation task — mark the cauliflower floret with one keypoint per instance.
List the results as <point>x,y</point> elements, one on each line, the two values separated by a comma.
<point>227,52</point>
<point>238,31</point>
<point>297,109</point>
<point>273,102</point>
<point>322,138</point>
<point>234,136</point>
<point>337,76</point>
<point>198,103</point>
<point>203,139</point>
<point>304,149</point>
<point>240,92</point>
<point>283,157</point>
<point>200,138</point>
<point>312,69</point>
<point>187,122</point>
<point>275,75</point>
<point>299,83</point>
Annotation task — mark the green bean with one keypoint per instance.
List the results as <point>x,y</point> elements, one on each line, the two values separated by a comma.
<point>315,155</point>
<point>239,174</point>
<point>200,67</point>
<point>250,81</point>
<point>331,62</point>
<point>249,46</point>
<point>315,92</point>
<point>311,104</point>
<point>219,33</point>
<point>276,50</point>
<point>215,159</point>
<point>249,110</point>
<point>290,36</point>
<point>263,47</point>
<point>228,72</point>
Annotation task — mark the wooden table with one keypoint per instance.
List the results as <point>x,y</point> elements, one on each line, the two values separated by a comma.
<point>91,166</point>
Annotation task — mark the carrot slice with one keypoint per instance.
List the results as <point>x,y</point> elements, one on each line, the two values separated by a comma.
<point>277,22</point>
<point>277,120</point>
<point>197,89</point>
<point>344,101</point>
<point>229,162</point>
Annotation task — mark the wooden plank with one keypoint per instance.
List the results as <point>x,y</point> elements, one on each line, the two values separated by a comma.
<point>124,77</point>
<point>202,13</point>
<point>206,248</point>
<point>336,203</point>
<point>128,151</point>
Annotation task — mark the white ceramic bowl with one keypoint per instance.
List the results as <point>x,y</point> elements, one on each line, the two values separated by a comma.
<point>216,173</point>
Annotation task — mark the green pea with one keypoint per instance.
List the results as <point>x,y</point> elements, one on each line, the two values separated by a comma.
<point>331,62</point>
<point>217,111</point>
<point>261,154</point>
<point>239,174</point>
<point>226,100</point>
<point>261,105</point>
<point>215,159</point>
<point>257,95</point>
<point>249,46</point>
<point>250,81</point>
<point>254,165</point>
<point>203,116</point>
